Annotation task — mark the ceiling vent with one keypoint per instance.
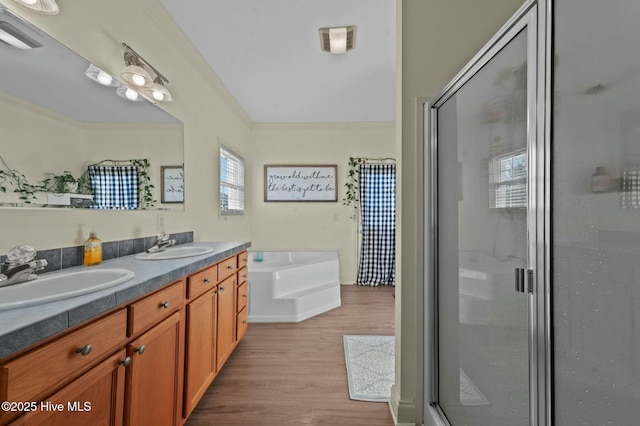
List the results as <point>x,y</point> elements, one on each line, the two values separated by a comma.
<point>337,39</point>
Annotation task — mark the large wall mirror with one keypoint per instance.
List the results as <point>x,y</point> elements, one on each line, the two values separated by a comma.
<point>54,119</point>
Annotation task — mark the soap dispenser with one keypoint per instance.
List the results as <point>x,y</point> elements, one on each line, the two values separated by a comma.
<point>92,250</point>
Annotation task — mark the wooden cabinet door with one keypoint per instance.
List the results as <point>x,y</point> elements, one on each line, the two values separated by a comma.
<point>225,335</point>
<point>151,395</point>
<point>95,398</point>
<point>200,335</point>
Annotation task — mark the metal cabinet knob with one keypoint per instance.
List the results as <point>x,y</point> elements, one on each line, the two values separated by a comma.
<point>244,321</point>
<point>140,350</point>
<point>229,267</point>
<point>85,350</point>
<point>221,288</point>
<point>165,304</point>
<point>125,362</point>
<point>207,280</point>
<point>244,295</point>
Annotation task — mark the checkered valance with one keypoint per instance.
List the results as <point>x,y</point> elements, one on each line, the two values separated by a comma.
<point>114,187</point>
<point>378,213</point>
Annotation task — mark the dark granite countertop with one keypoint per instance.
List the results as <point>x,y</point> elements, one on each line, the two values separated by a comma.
<point>23,327</point>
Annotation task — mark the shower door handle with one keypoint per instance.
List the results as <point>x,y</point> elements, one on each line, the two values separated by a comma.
<point>524,280</point>
<point>519,280</point>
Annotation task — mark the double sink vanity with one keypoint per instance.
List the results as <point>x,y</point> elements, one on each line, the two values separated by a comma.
<point>142,347</point>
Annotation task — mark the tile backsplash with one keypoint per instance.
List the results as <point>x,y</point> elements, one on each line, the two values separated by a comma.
<point>67,257</point>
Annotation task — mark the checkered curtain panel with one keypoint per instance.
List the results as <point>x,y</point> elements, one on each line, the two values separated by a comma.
<point>631,185</point>
<point>378,224</point>
<point>114,187</point>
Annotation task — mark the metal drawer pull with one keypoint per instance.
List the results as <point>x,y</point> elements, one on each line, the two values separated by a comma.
<point>244,295</point>
<point>244,321</point>
<point>140,350</point>
<point>125,362</point>
<point>207,280</point>
<point>229,267</point>
<point>85,350</point>
<point>221,288</point>
<point>165,304</point>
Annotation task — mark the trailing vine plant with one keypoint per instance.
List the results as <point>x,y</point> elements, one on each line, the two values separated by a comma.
<point>145,189</point>
<point>13,178</point>
<point>352,184</point>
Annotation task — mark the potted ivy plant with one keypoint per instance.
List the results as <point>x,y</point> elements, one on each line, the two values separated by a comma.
<point>66,189</point>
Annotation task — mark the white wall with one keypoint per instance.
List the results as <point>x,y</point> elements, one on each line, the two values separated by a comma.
<point>312,225</point>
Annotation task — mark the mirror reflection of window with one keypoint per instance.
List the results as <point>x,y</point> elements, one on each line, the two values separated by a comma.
<point>508,181</point>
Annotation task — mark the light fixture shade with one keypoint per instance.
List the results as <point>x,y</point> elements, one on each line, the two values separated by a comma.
<point>337,39</point>
<point>128,93</point>
<point>137,76</point>
<point>99,76</point>
<point>16,38</point>
<point>158,92</point>
<point>46,7</point>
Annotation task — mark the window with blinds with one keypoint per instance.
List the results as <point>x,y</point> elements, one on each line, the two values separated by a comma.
<point>508,181</point>
<point>231,182</point>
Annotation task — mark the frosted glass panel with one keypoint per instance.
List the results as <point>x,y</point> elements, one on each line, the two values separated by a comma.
<point>596,215</point>
<point>482,222</point>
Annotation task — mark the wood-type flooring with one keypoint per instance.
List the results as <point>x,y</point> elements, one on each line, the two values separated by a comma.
<point>294,373</point>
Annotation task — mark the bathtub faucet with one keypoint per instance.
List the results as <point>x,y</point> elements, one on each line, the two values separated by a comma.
<point>162,243</point>
<point>21,266</point>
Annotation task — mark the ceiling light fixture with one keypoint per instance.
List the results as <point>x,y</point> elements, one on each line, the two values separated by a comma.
<point>337,39</point>
<point>46,7</point>
<point>99,76</point>
<point>158,91</point>
<point>16,38</point>
<point>128,93</point>
<point>141,75</point>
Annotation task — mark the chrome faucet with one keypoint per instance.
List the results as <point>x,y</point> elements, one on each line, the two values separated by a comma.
<point>162,243</point>
<point>21,266</point>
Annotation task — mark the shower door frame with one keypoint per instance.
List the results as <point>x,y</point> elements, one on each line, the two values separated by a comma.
<point>536,17</point>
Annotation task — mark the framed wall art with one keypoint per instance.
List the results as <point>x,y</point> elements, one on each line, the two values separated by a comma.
<point>300,183</point>
<point>172,184</point>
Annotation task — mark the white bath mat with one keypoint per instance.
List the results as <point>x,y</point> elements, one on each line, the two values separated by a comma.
<point>370,367</point>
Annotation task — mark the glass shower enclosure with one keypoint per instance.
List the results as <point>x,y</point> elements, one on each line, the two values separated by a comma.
<point>532,245</point>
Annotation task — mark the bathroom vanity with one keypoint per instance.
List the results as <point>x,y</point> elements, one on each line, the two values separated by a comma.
<point>148,359</point>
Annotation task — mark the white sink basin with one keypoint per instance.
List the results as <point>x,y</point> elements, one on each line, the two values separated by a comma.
<point>58,286</point>
<point>174,253</point>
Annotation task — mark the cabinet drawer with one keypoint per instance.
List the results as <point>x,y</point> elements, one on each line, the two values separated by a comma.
<point>60,361</point>
<point>243,259</point>
<point>227,267</point>
<point>242,323</point>
<point>202,281</point>
<point>242,275</point>
<point>242,296</point>
<point>153,308</point>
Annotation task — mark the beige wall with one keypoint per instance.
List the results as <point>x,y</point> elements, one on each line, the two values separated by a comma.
<point>312,225</point>
<point>437,39</point>
<point>95,30</point>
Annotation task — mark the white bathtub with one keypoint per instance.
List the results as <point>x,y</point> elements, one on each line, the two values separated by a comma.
<point>293,286</point>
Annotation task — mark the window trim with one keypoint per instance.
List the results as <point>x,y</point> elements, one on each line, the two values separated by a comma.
<point>241,187</point>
